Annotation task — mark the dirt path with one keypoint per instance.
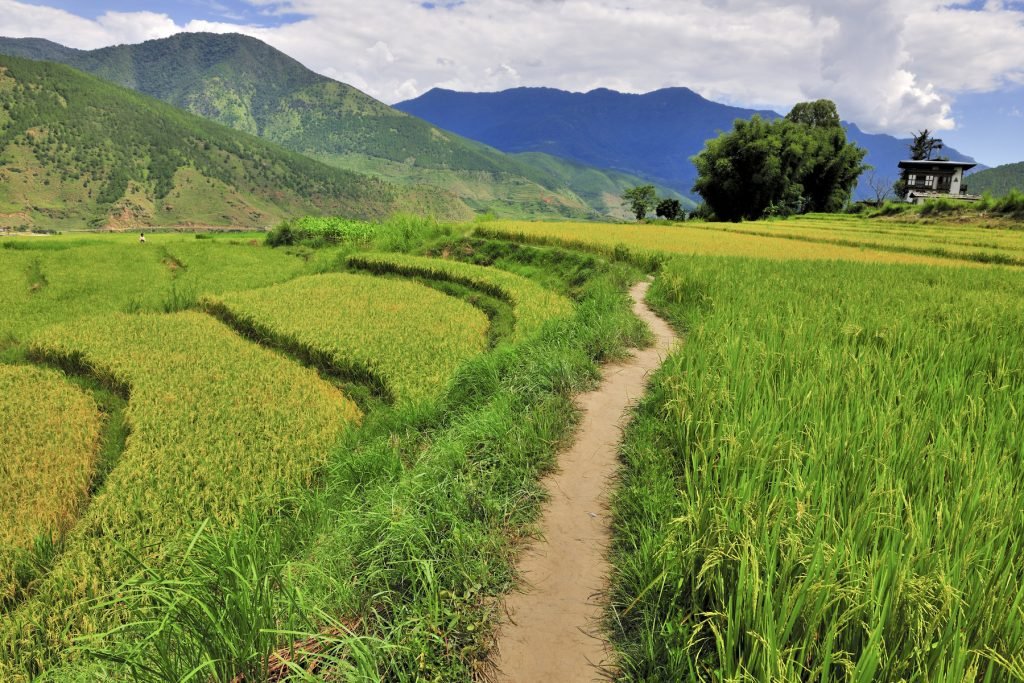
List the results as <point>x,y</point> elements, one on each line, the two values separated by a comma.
<point>553,628</point>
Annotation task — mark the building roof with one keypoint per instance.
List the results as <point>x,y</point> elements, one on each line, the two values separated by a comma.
<point>935,163</point>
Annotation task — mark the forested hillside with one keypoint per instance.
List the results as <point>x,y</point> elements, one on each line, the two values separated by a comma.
<point>246,84</point>
<point>998,181</point>
<point>76,151</point>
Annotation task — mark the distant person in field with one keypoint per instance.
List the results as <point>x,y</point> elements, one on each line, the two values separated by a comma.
<point>142,238</point>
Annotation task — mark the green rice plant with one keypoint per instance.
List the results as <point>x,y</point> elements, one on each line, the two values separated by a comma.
<point>532,304</point>
<point>402,337</point>
<point>49,435</point>
<point>219,428</point>
<point>824,481</point>
<point>49,280</point>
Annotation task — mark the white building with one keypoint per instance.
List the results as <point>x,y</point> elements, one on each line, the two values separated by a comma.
<point>930,179</point>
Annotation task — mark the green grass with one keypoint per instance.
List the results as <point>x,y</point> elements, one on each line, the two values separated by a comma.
<point>823,482</point>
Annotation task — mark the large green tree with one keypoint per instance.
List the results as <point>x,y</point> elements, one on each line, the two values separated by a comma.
<point>799,163</point>
<point>640,200</point>
<point>672,209</point>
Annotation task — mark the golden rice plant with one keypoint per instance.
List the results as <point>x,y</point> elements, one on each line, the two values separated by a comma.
<point>958,242</point>
<point>532,304</point>
<point>49,436</point>
<point>220,427</point>
<point>407,336</point>
<point>648,241</point>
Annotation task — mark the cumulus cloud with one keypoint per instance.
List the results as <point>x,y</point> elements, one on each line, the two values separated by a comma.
<point>891,65</point>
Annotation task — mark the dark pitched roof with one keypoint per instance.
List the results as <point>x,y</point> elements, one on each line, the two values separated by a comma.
<point>935,163</point>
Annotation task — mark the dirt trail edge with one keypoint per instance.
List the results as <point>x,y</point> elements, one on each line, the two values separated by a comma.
<point>553,631</point>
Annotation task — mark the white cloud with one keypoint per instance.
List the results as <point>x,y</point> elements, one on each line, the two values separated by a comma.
<point>891,65</point>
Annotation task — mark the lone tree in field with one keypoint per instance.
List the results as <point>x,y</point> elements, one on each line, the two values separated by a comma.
<point>640,200</point>
<point>800,163</point>
<point>671,209</point>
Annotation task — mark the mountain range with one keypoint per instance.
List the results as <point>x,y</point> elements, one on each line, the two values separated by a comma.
<point>76,151</point>
<point>525,152</point>
<point>248,85</point>
<point>651,135</point>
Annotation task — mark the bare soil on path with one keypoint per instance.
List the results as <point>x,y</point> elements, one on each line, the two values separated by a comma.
<point>553,631</point>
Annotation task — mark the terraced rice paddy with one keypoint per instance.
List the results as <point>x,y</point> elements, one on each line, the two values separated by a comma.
<point>219,426</point>
<point>406,338</point>
<point>822,484</point>
<point>698,238</point>
<point>46,280</point>
<point>49,435</point>
<point>532,304</point>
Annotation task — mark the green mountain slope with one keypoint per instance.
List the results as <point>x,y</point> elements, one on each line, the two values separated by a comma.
<point>998,181</point>
<point>248,85</point>
<point>76,151</point>
<point>598,187</point>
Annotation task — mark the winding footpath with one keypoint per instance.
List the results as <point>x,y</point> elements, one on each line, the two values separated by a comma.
<point>553,629</point>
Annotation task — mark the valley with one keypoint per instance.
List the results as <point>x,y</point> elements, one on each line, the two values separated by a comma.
<point>298,386</point>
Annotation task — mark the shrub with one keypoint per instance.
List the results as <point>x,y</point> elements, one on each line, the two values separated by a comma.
<point>317,230</point>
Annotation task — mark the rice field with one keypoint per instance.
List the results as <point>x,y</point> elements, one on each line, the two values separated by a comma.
<point>45,280</point>
<point>532,304</point>
<point>693,238</point>
<point>825,480</point>
<point>950,240</point>
<point>219,427</point>
<point>49,435</point>
<point>822,484</point>
<point>407,338</point>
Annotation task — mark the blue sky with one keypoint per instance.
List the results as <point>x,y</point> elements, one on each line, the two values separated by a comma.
<point>892,66</point>
<point>990,126</point>
<point>183,11</point>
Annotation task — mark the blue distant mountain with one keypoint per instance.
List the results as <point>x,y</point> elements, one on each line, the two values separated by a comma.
<point>652,135</point>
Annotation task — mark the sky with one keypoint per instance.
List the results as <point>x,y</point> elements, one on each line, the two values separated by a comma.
<point>892,66</point>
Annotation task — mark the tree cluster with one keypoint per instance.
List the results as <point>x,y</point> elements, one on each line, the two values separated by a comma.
<point>792,165</point>
<point>643,199</point>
